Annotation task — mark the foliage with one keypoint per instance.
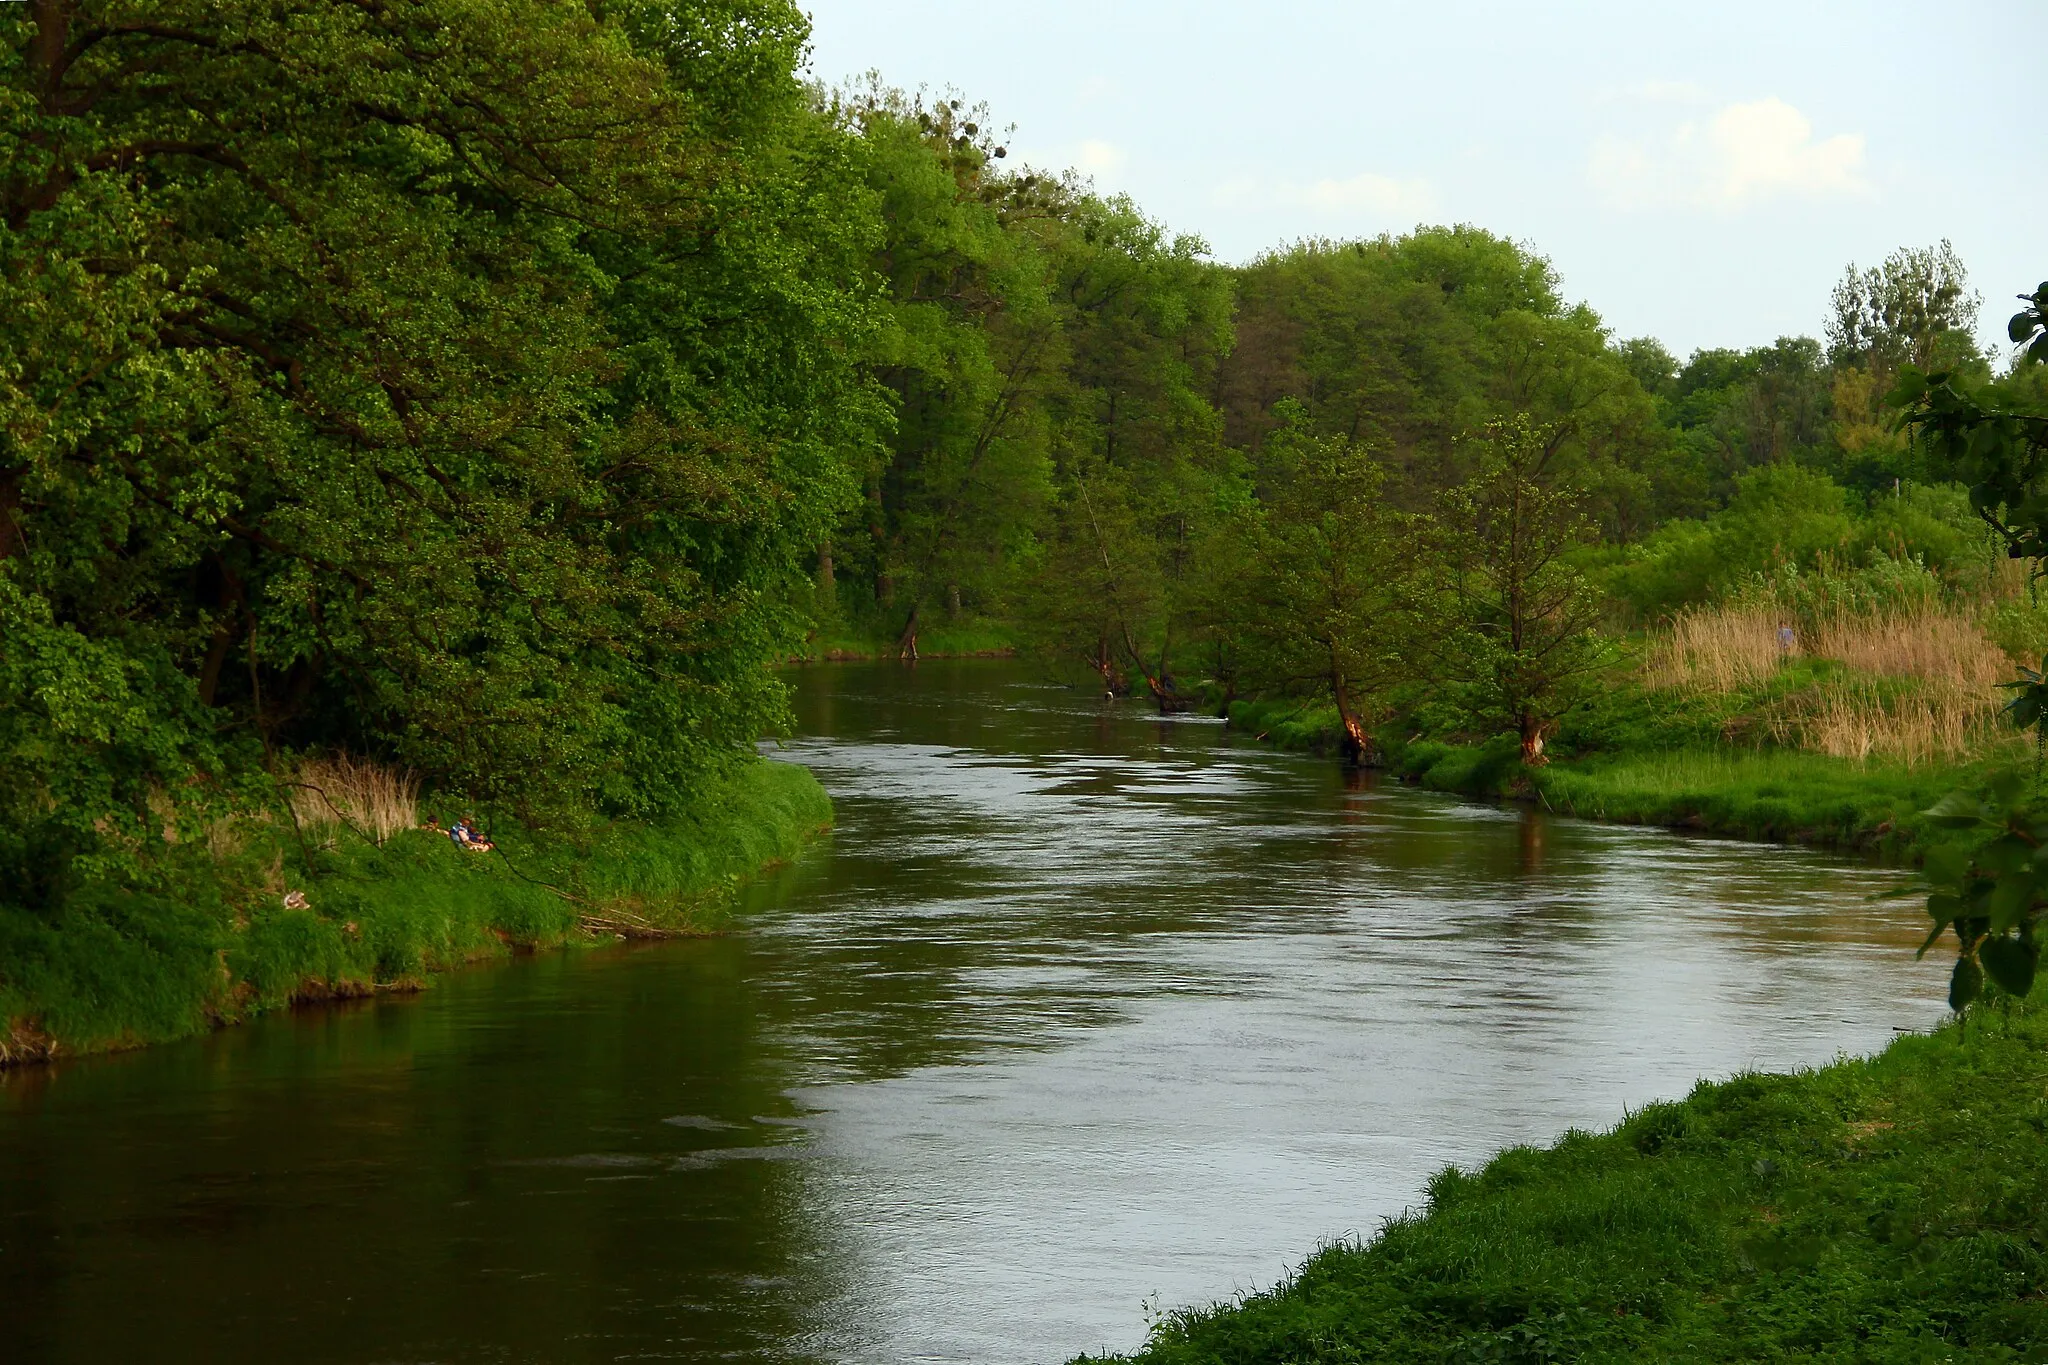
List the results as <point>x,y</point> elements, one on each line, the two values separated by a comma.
<point>1993,892</point>
<point>1140,474</point>
<point>971,350</point>
<point>458,385</point>
<point>1915,309</point>
<point>1320,606</point>
<point>1520,622</point>
<point>224,938</point>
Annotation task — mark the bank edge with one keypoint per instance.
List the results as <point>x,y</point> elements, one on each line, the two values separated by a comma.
<point>119,969</point>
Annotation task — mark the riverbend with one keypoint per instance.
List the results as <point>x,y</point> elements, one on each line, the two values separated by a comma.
<point>1078,1011</point>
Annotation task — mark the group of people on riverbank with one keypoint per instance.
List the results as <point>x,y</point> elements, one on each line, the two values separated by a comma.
<point>463,834</point>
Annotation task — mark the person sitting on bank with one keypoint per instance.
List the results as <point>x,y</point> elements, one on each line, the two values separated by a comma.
<point>465,836</point>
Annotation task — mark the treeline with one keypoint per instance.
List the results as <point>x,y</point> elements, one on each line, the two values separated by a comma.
<point>1395,474</point>
<point>500,392</point>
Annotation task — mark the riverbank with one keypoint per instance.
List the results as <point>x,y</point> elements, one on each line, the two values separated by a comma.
<point>1770,794</point>
<point>1893,1208</point>
<point>958,640</point>
<point>258,923</point>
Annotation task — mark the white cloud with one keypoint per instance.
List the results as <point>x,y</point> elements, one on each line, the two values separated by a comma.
<point>1100,158</point>
<point>1374,193</point>
<point>1096,88</point>
<point>1378,196</point>
<point>1742,155</point>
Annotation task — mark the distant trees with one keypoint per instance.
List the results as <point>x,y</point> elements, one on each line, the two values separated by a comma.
<point>971,345</point>
<point>1917,308</point>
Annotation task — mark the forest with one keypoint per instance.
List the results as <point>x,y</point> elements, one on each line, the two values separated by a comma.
<point>484,402</point>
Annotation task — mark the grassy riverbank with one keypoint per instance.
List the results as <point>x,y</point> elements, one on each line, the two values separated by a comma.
<point>1884,1209</point>
<point>216,941</point>
<point>964,640</point>
<point>1750,793</point>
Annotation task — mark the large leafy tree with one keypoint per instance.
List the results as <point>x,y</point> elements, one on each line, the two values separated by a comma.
<point>1520,623</point>
<point>971,344</point>
<point>454,380</point>
<point>1405,343</point>
<point>1320,604</point>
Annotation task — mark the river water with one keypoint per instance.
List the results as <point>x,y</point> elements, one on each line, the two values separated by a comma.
<point>1079,1013</point>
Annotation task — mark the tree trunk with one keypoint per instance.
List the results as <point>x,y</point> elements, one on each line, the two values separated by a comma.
<point>1355,744</point>
<point>906,646</point>
<point>1105,667</point>
<point>1532,741</point>
<point>878,532</point>
<point>828,586</point>
<point>952,601</point>
<point>13,540</point>
<point>229,600</point>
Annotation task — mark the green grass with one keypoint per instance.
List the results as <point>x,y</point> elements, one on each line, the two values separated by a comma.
<point>113,968</point>
<point>1767,794</point>
<point>940,640</point>
<point>1885,1209</point>
<point>1751,793</point>
<point>1309,726</point>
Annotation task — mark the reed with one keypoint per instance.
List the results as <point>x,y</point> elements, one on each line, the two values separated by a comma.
<point>1918,681</point>
<point>1924,641</point>
<point>1717,649</point>
<point>374,800</point>
<point>1858,719</point>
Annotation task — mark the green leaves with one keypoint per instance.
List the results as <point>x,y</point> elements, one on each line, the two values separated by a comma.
<point>1965,984</point>
<point>1957,810</point>
<point>2010,963</point>
<point>460,384</point>
<point>2030,325</point>
<point>1992,892</point>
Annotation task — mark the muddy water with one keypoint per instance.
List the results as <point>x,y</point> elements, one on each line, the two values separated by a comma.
<point>1078,1011</point>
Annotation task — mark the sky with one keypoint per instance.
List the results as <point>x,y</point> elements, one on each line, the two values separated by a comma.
<point>1697,173</point>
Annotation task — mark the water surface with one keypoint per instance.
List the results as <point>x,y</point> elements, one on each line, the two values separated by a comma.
<point>1078,1011</point>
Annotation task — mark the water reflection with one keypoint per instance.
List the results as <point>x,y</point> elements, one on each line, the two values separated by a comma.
<point>1074,1008</point>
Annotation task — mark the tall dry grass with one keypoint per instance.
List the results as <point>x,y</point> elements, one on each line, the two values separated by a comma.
<point>1716,649</point>
<point>1861,720</point>
<point>1929,641</point>
<point>1924,687</point>
<point>375,800</point>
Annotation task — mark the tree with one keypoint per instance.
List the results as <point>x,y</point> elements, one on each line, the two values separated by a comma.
<point>1916,309</point>
<point>457,384</point>
<point>972,340</point>
<point>1321,607</point>
<point>1520,623</point>
<point>1140,465</point>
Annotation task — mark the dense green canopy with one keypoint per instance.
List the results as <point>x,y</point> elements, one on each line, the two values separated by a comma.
<point>455,381</point>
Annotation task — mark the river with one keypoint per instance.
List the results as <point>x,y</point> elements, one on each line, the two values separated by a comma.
<point>1080,1013</point>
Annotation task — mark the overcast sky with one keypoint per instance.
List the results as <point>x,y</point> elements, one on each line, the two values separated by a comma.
<point>1698,173</point>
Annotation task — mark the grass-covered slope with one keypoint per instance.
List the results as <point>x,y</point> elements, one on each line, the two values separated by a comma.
<point>1887,1209</point>
<point>120,968</point>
